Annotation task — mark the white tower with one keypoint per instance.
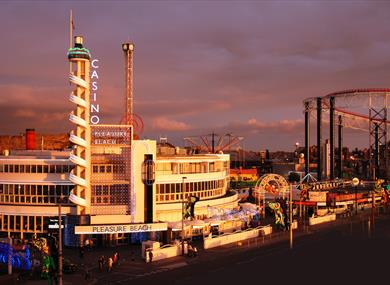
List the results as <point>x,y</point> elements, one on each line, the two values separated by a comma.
<point>79,58</point>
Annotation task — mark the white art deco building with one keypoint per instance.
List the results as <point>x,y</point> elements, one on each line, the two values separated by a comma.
<point>111,187</point>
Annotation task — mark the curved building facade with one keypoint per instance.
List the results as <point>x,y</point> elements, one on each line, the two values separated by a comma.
<point>31,186</point>
<point>33,183</point>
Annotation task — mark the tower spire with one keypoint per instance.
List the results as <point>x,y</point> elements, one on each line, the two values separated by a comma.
<point>71,28</point>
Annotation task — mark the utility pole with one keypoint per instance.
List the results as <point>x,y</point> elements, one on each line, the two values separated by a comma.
<point>307,138</point>
<point>182,215</point>
<point>263,203</point>
<point>355,183</point>
<point>212,143</point>
<point>9,256</point>
<point>291,218</point>
<point>373,209</point>
<point>60,241</point>
<point>319,139</point>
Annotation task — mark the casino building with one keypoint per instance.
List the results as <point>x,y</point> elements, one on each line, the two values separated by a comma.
<point>111,187</point>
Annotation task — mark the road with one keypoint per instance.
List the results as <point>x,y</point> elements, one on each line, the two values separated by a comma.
<point>341,254</point>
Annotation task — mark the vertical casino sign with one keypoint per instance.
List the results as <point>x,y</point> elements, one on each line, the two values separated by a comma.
<point>95,107</point>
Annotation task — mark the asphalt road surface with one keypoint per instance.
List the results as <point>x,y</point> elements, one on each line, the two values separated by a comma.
<point>342,254</point>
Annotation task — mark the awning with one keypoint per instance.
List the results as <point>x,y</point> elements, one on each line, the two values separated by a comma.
<point>214,222</point>
<point>306,203</point>
<point>198,224</point>
<point>177,226</point>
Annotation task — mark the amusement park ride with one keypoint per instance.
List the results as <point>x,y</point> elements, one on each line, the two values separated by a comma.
<point>361,109</point>
<point>331,192</point>
<point>212,143</point>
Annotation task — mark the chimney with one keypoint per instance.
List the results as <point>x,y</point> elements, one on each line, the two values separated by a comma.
<point>30,139</point>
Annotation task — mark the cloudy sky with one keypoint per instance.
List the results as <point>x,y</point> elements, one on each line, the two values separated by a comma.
<point>199,66</point>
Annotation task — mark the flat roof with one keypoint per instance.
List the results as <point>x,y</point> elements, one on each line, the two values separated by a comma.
<point>38,154</point>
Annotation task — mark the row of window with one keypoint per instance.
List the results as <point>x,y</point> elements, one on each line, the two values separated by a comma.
<point>34,194</point>
<point>108,168</point>
<point>115,194</point>
<point>32,224</point>
<point>191,167</point>
<point>35,168</point>
<point>189,186</point>
<point>11,199</point>
<point>169,198</point>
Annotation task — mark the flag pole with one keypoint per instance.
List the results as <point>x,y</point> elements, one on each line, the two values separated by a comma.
<point>70,37</point>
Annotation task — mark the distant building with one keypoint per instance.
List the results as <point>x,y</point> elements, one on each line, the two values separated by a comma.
<point>283,168</point>
<point>240,174</point>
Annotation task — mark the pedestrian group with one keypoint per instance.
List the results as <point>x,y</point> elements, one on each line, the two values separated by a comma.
<point>110,262</point>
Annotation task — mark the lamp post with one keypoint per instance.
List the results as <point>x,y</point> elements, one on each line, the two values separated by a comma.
<point>182,214</point>
<point>355,183</point>
<point>9,265</point>
<point>296,150</point>
<point>291,218</point>
<point>60,240</point>
<point>263,210</point>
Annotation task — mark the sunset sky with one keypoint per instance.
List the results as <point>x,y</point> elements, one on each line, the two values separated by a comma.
<point>199,66</point>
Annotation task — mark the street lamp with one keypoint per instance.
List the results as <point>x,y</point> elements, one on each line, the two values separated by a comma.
<point>296,149</point>
<point>355,183</point>
<point>60,201</point>
<point>291,216</point>
<point>182,214</point>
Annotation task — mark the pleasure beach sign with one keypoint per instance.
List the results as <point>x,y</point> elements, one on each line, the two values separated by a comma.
<point>115,229</point>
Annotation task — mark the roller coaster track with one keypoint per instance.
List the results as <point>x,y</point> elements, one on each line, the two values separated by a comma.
<point>352,94</point>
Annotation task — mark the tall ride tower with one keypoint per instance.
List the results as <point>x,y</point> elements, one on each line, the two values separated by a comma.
<point>128,49</point>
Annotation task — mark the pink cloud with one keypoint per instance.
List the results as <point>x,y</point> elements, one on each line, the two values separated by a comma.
<point>282,125</point>
<point>25,113</point>
<point>166,124</point>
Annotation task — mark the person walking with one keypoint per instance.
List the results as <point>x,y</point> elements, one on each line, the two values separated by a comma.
<point>101,262</point>
<point>118,258</point>
<point>88,244</point>
<point>150,255</point>
<point>81,251</point>
<point>109,263</point>
<point>190,250</point>
<point>114,258</point>
<point>87,274</point>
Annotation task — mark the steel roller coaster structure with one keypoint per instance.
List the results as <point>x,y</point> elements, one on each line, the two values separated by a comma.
<point>347,109</point>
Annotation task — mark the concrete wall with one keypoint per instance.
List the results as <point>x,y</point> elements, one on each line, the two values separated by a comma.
<point>234,237</point>
<point>140,148</point>
<point>323,219</point>
<point>166,251</point>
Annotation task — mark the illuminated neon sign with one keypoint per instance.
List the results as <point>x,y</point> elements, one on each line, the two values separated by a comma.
<point>95,108</point>
<point>19,259</point>
<point>110,135</point>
